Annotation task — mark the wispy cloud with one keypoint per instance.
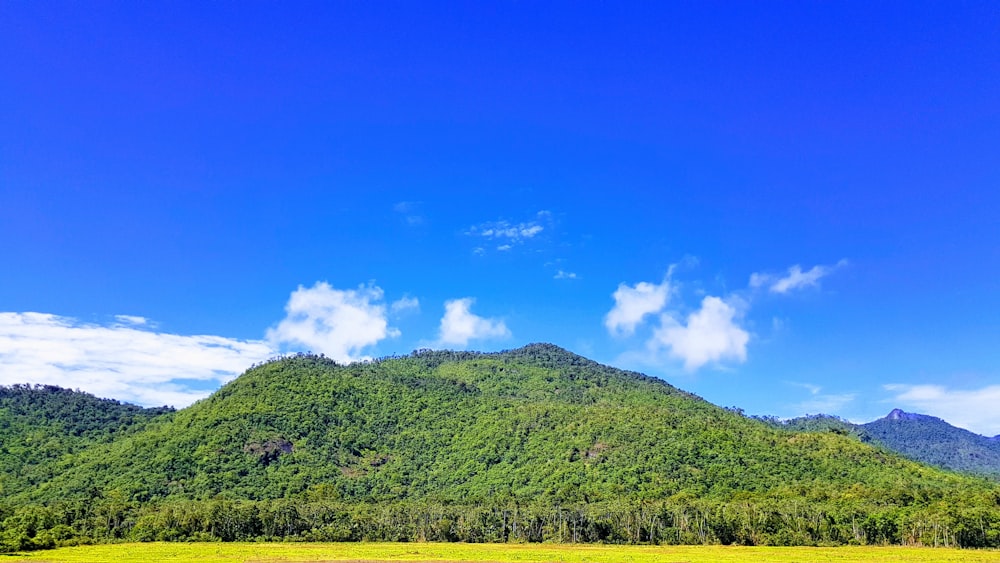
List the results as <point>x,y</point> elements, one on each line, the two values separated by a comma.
<point>973,409</point>
<point>507,234</point>
<point>459,324</point>
<point>794,279</point>
<point>131,320</point>
<point>340,323</point>
<point>128,363</point>
<point>831,404</point>
<point>405,305</point>
<point>564,275</point>
<point>504,230</point>
<point>410,212</point>
<point>819,402</point>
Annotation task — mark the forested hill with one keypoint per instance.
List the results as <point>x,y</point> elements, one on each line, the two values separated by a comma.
<point>501,446</point>
<point>460,427</point>
<point>71,413</point>
<point>919,437</point>
<point>932,440</point>
<point>528,424</point>
<point>41,424</point>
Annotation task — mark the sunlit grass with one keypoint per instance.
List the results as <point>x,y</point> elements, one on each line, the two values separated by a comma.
<point>500,553</point>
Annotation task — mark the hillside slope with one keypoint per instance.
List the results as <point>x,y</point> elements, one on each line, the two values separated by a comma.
<point>931,440</point>
<point>538,422</point>
<point>918,437</point>
<point>532,444</point>
<point>42,424</point>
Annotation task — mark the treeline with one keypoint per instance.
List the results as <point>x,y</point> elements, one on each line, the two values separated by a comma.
<point>695,521</point>
<point>535,444</point>
<point>74,412</point>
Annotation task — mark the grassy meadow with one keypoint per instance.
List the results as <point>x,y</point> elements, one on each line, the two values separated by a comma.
<point>499,553</point>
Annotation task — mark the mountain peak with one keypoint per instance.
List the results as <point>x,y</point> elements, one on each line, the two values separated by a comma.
<point>932,440</point>
<point>900,414</point>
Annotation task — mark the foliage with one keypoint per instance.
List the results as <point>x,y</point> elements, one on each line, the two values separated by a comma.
<point>43,424</point>
<point>934,441</point>
<point>922,438</point>
<point>534,444</point>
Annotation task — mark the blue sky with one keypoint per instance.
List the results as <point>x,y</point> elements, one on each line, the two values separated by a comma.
<point>791,208</point>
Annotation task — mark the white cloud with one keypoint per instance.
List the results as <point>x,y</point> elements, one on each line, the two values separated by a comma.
<point>459,325</point>
<point>710,335</point>
<point>503,229</point>
<point>131,320</point>
<point>405,304</point>
<point>120,362</point>
<point>335,322</point>
<point>506,234</point>
<point>563,275</point>
<point>129,361</point>
<point>821,403</point>
<point>633,304</point>
<point>528,231</point>
<point>794,279</point>
<point>975,409</point>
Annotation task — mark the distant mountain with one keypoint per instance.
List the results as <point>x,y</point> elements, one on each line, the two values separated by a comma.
<point>919,437</point>
<point>532,444</point>
<point>931,440</point>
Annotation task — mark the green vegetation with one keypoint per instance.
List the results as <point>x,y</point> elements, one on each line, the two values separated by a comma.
<point>505,553</point>
<point>934,441</point>
<point>817,423</point>
<point>41,424</point>
<point>922,438</point>
<point>530,445</point>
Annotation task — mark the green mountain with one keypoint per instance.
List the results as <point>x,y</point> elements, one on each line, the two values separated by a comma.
<point>531,444</point>
<point>918,437</point>
<point>42,424</point>
<point>533,423</point>
<point>931,440</point>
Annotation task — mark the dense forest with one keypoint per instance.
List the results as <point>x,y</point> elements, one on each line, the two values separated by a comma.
<point>918,437</point>
<point>533,444</point>
<point>43,424</point>
<point>934,441</point>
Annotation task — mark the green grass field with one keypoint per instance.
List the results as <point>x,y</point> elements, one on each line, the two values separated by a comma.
<point>505,553</point>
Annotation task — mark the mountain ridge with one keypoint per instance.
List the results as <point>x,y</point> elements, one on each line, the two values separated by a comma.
<point>932,440</point>
<point>920,437</point>
<point>440,444</point>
